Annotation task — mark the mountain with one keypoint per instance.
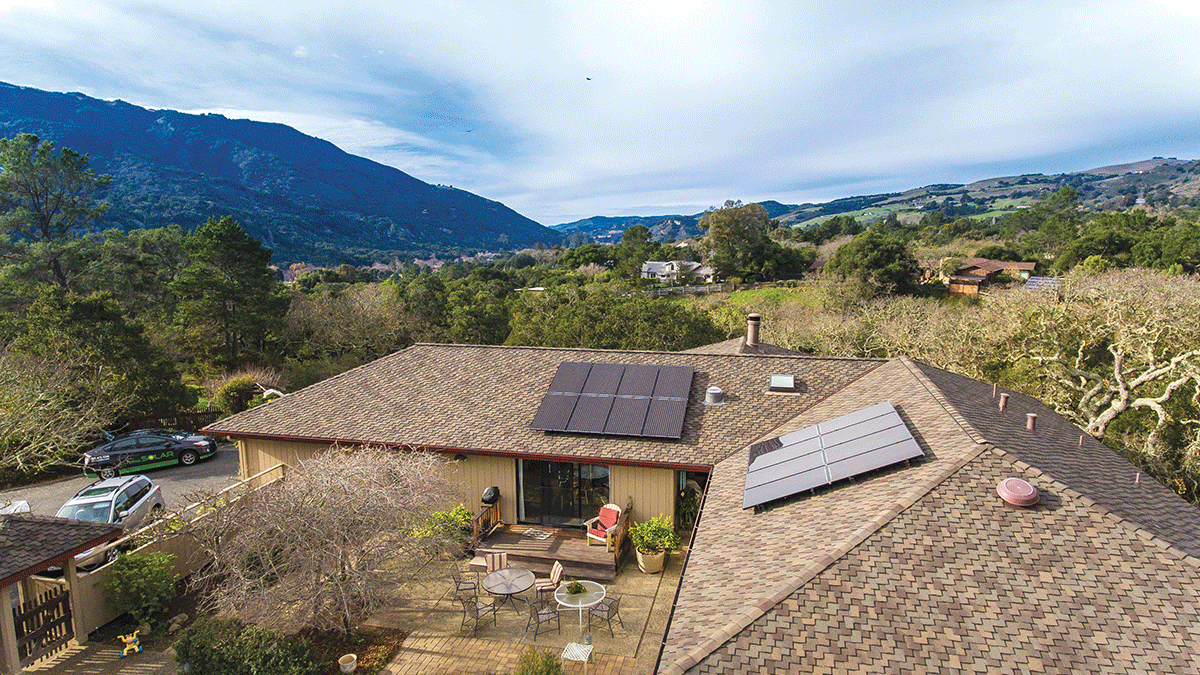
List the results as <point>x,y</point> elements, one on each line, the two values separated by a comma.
<point>1159,183</point>
<point>305,198</point>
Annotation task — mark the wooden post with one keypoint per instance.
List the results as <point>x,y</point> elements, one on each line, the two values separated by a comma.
<point>71,576</point>
<point>11,663</point>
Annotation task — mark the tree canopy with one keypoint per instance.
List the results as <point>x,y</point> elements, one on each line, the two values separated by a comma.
<point>46,199</point>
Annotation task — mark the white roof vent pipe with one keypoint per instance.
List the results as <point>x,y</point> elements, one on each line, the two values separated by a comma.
<point>752,323</point>
<point>714,396</point>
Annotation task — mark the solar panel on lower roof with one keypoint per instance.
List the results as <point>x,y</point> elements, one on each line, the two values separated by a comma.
<point>616,398</point>
<point>823,453</point>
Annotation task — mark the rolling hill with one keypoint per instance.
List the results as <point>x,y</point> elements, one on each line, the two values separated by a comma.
<point>1161,183</point>
<point>305,198</point>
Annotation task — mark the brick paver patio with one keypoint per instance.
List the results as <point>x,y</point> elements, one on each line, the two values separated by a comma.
<point>437,644</point>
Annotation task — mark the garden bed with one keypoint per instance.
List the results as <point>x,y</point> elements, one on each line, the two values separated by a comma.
<point>375,647</point>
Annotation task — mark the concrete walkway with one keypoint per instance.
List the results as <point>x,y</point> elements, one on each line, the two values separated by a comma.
<point>95,658</point>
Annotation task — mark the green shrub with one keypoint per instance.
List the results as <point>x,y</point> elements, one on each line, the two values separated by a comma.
<point>229,647</point>
<point>453,523</point>
<point>655,535</point>
<point>142,584</point>
<point>235,395</point>
<point>533,662</point>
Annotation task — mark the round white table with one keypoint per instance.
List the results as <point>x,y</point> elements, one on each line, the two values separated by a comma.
<point>592,594</point>
<point>508,581</point>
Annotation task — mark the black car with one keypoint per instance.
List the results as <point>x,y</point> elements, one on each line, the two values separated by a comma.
<point>147,449</point>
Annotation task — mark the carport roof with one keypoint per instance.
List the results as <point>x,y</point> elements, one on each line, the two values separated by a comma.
<point>29,544</point>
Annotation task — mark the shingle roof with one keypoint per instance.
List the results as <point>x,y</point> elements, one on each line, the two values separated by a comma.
<point>962,582</point>
<point>1062,450</point>
<point>738,345</point>
<point>30,544</point>
<point>756,595</point>
<point>483,398</point>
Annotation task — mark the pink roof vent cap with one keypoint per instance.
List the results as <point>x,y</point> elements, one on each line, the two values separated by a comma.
<point>1017,492</point>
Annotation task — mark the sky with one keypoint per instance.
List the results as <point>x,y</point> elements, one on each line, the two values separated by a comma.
<point>566,109</point>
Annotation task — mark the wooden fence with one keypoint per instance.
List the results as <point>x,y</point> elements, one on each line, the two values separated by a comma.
<point>90,608</point>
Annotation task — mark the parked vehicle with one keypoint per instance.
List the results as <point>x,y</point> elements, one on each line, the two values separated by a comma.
<point>130,502</point>
<point>147,449</point>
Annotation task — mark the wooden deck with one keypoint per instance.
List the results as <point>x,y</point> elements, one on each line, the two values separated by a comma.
<point>568,546</point>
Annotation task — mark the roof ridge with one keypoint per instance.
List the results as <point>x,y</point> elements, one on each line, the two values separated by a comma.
<point>1103,513</point>
<point>749,613</point>
<point>685,352</point>
<point>941,398</point>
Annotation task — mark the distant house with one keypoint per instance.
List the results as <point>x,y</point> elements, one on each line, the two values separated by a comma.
<point>670,271</point>
<point>974,273</point>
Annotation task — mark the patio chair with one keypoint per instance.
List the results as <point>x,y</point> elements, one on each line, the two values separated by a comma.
<point>476,613</point>
<point>543,613</point>
<point>463,588</point>
<point>601,528</point>
<point>548,585</point>
<point>496,561</point>
<point>608,609</point>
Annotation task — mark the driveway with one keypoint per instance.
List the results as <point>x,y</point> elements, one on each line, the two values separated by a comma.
<point>214,473</point>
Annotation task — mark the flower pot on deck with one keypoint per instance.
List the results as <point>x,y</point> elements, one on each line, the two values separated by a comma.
<point>651,563</point>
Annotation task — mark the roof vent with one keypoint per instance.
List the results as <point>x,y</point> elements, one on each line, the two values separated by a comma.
<point>714,396</point>
<point>783,383</point>
<point>752,323</point>
<point>1017,492</point>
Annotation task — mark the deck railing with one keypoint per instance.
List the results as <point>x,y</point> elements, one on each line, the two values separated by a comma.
<point>621,536</point>
<point>484,522</point>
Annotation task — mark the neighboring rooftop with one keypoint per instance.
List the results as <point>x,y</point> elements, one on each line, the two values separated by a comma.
<point>29,544</point>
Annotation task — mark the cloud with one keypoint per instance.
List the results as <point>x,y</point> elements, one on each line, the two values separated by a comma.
<point>563,109</point>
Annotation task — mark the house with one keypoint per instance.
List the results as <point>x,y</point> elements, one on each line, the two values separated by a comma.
<point>671,271</point>
<point>843,564</point>
<point>973,273</point>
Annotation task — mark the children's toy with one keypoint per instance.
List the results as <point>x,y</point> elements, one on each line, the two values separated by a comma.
<point>131,643</point>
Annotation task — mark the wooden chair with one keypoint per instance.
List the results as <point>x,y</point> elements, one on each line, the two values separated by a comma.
<point>543,613</point>
<point>608,609</point>
<point>601,528</point>
<point>548,585</point>
<point>496,561</point>
<point>476,613</point>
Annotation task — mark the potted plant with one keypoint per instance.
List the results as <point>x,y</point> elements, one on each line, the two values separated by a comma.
<point>575,587</point>
<point>652,539</point>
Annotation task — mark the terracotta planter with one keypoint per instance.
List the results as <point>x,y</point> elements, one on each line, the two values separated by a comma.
<point>651,563</point>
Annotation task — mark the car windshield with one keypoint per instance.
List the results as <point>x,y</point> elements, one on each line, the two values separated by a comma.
<point>96,512</point>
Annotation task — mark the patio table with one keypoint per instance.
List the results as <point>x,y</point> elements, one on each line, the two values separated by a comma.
<point>592,594</point>
<point>508,581</point>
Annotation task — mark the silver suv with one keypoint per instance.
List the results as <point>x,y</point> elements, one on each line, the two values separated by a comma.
<point>125,500</point>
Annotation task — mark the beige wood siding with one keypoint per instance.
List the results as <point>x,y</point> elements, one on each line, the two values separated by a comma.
<point>477,472</point>
<point>259,455</point>
<point>652,490</point>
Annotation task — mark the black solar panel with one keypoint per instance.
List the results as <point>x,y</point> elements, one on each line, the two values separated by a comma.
<point>616,398</point>
<point>845,446</point>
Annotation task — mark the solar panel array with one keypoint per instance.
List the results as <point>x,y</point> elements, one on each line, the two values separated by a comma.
<point>623,399</point>
<point>845,446</point>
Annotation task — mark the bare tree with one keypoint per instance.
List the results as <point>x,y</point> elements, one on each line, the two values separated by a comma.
<point>50,405</point>
<point>328,545</point>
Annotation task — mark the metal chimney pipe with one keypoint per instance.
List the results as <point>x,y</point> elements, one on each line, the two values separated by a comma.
<point>752,323</point>
<point>1031,421</point>
<point>1003,402</point>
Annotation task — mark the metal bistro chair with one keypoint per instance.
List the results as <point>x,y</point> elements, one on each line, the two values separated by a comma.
<point>463,588</point>
<point>607,610</point>
<point>543,612</point>
<point>476,613</point>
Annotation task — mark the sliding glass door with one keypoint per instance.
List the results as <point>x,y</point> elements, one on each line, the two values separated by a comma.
<point>561,494</point>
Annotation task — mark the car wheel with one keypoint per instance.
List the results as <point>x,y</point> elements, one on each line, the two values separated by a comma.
<point>111,555</point>
<point>188,457</point>
<point>157,511</point>
<point>107,472</point>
